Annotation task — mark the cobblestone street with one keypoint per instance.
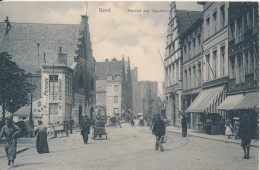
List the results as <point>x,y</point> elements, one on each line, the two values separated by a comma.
<point>133,148</point>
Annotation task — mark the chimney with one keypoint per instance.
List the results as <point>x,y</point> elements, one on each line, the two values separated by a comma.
<point>62,57</point>
<point>44,59</point>
<point>7,26</point>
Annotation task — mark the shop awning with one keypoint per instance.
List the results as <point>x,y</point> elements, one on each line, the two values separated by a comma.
<point>230,102</point>
<point>204,99</point>
<point>250,101</point>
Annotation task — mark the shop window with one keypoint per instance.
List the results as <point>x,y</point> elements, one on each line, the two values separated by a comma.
<point>53,110</point>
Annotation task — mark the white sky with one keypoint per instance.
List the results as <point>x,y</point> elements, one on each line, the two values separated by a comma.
<point>134,35</point>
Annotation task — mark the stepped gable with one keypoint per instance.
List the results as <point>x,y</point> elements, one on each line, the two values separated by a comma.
<point>21,42</point>
<point>186,19</point>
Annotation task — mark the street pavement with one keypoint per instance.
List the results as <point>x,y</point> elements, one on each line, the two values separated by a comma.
<point>133,148</point>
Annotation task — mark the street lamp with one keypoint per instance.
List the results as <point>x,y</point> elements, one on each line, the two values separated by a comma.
<point>30,117</point>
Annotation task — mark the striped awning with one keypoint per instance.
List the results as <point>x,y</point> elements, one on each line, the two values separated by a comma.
<point>250,101</point>
<point>230,102</point>
<point>204,100</point>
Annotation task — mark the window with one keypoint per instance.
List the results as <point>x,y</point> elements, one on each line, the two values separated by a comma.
<point>53,84</point>
<point>199,39</point>
<point>189,86</point>
<point>215,21</point>
<point>215,63</point>
<point>194,42</point>
<point>251,59</point>
<point>245,23</point>
<point>239,30</point>
<point>246,63</point>
<point>250,18</point>
<point>173,47</point>
<point>177,71</point>
<point>194,76</point>
<point>185,48</point>
<point>115,88</point>
<point>240,68</point>
<point>232,31</point>
<point>199,73</point>
<point>68,85</point>
<point>207,27</point>
<point>232,63</point>
<point>115,99</point>
<point>53,110</point>
<point>116,111</point>
<point>208,68</point>
<point>186,79</point>
<point>222,57</point>
<point>222,16</point>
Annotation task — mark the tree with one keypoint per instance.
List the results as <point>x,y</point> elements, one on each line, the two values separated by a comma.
<point>15,89</point>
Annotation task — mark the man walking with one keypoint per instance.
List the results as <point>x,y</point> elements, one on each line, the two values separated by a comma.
<point>85,128</point>
<point>159,131</point>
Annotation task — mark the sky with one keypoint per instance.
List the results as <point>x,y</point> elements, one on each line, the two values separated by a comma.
<point>137,35</point>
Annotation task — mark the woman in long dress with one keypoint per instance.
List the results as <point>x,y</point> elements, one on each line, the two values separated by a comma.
<point>41,138</point>
<point>10,131</point>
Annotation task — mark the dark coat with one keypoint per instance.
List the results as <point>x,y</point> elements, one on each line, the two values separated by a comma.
<point>184,122</point>
<point>244,129</point>
<point>159,127</point>
<point>85,126</point>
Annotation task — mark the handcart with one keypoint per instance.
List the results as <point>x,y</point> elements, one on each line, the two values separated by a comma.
<point>99,129</point>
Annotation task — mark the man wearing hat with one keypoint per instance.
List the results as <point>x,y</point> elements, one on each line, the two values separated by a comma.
<point>85,128</point>
<point>159,131</point>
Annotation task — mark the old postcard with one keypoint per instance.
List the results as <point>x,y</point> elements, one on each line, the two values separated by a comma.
<point>129,85</point>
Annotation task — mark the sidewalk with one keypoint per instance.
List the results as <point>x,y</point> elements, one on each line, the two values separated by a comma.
<point>223,138</point>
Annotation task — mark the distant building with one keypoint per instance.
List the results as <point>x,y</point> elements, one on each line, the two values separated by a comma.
<point>40,45</point>
<point>146,97</point>
<point>114,86</point>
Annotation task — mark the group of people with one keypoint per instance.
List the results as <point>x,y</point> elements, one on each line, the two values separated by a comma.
<point>11,132</point>
<point>241,129</point>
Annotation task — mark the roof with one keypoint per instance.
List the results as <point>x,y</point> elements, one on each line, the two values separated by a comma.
<point>230,102</point>
<point>250,101</point>
<point>204,100</point>
<point>21,43</point>
<point>100,86</point>
<point>114,67</point>
<point>186,19</point>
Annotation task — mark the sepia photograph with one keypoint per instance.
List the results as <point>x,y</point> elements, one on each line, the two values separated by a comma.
<point>131,85</point>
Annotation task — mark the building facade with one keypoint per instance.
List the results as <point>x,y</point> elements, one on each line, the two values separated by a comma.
<point>146,97</point>
<point>192,66</point>
<point>215,68</point>
<point>243,85</point>
<point>179,22</point>
<point>42,42</point>
<point>114,86</point>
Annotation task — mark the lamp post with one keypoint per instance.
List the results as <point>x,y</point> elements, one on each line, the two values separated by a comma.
<point>30,117</point>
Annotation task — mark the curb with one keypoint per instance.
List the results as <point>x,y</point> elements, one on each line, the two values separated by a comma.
<point>211,138</point>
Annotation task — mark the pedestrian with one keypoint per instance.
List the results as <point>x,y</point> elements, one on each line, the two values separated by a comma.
<point>184,122</point>
<point>41,138</point>
<point>245,135</point>
<point>10,131</point>
<point>229,128</point>
<point>236,127</point>
<point>159,131</point>
<point>85,128</point>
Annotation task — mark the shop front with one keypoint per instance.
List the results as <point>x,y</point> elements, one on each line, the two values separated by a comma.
<point>208,118</point>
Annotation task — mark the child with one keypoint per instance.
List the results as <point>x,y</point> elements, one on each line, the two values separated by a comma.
<point>229,128</point>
